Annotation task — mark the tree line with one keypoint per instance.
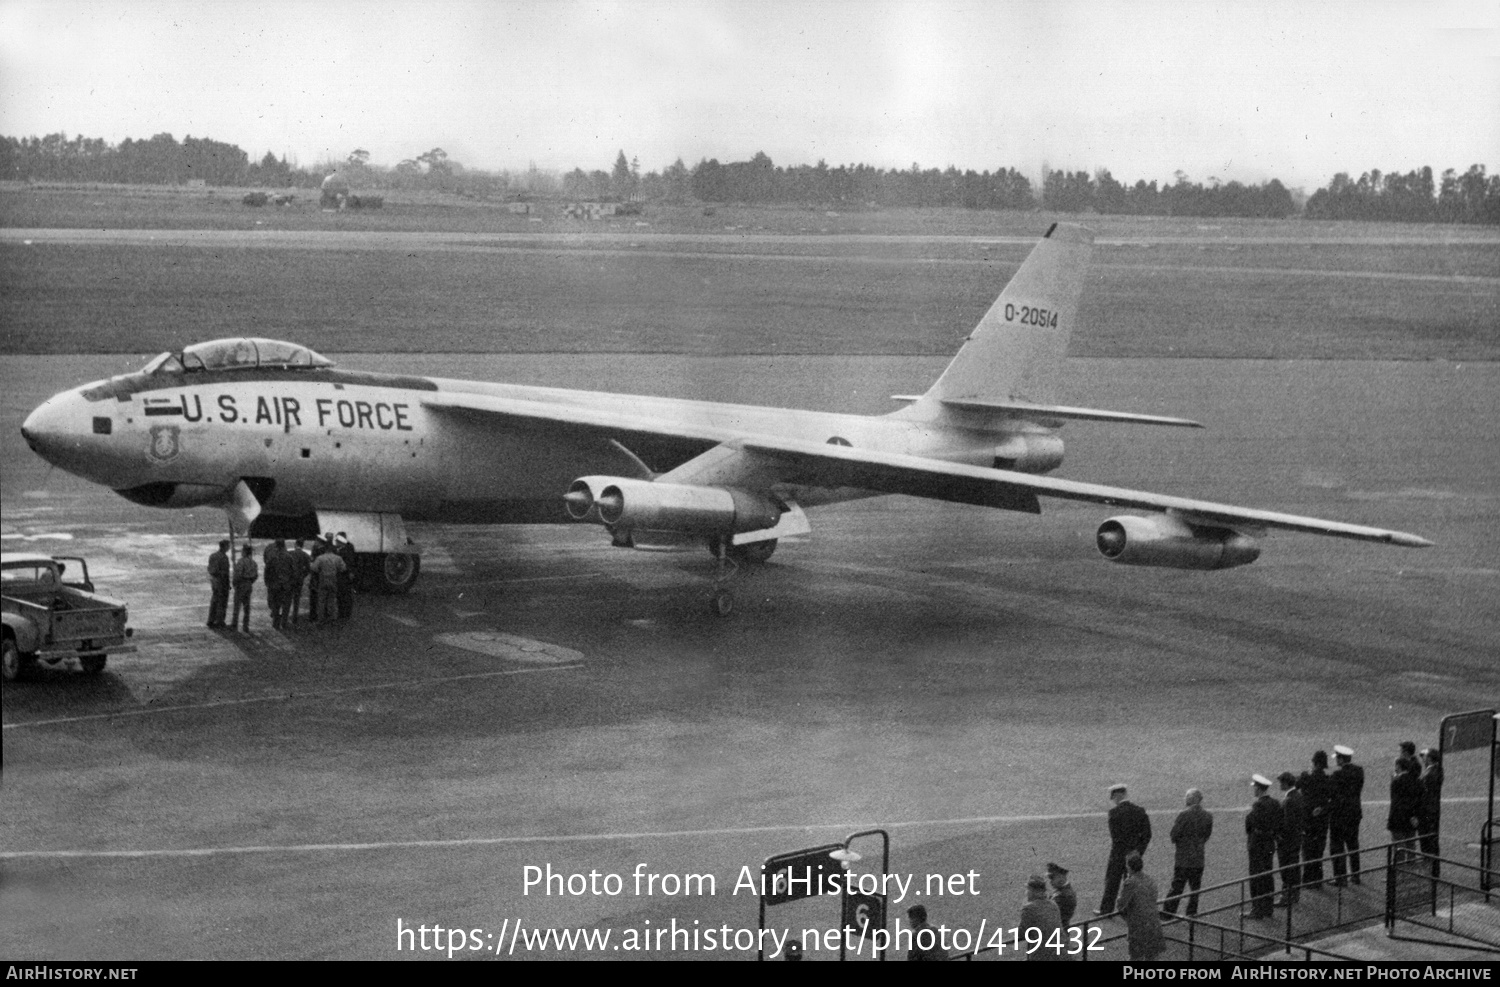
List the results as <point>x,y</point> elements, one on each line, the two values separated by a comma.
<point>1472,197</point>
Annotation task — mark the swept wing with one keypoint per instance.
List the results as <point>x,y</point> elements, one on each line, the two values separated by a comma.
<point>763,461</point>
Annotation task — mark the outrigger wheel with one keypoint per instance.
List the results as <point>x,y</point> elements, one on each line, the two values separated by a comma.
<point>722,600</point>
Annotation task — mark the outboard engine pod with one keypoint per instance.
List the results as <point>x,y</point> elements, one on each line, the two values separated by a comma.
<point>1172,543</point>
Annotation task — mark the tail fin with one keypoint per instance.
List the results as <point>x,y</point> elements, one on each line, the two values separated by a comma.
<point>1015,352</point>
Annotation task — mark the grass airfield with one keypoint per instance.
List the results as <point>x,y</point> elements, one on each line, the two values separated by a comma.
<point>969,679</point>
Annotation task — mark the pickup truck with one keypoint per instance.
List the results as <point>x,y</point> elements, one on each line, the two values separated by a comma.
<point>50,612</point>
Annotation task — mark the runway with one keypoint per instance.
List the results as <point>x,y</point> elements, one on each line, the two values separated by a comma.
<point>969,679</point>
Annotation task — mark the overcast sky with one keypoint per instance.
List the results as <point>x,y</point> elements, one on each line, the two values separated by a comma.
<point>1246,90</point>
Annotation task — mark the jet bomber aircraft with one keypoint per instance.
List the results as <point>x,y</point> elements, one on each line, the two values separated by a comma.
<point>291,446</point>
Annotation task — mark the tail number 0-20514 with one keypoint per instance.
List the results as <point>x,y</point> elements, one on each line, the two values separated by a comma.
<point>1029,316</point>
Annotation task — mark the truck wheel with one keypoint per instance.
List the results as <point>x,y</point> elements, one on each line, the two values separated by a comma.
<point>93,664</point>
<point>13,665</point>
<point>389,572</point>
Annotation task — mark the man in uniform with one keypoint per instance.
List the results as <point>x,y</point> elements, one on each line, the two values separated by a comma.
<point>278,572</point>
<point>1345,810</point>
<point>246,572</point>
<point>1289,840</point>
<point>218,582</point>
<point>1129,829</point>
<point>1190,832</point>
<point>325,575</point>
<point>301,565</point>
<point>1262,824</point>
<point>1317,793</point>
<point>1062,893</point>
<point>345,550</point>
<point>320,545</point>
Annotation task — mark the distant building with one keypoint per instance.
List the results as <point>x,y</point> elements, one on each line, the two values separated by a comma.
<point>598,210</point>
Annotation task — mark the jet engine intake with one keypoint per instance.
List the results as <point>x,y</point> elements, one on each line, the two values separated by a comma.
<point>626,504</point>
<point>1172,543</point>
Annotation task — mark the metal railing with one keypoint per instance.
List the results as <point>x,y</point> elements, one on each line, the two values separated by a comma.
<point>1417,893</point>
<point>1221,932</point>
<point>1489,879</point>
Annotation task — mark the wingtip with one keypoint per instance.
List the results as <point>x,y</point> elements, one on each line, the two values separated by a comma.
<point>1410,541</point>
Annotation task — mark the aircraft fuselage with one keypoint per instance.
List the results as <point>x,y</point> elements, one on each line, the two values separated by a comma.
<point>322,438</point>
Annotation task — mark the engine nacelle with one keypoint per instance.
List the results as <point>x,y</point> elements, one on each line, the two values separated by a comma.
<point>1170,542</point>
<point>1037,453</point>
<point>628,504</point>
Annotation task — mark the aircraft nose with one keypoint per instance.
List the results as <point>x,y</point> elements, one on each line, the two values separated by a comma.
<point>31,429</point>
<point>45,429</point>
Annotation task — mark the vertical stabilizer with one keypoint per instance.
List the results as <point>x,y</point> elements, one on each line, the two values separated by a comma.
<point>1016,351</point>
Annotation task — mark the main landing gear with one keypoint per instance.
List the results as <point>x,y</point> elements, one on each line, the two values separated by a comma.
<point>728,559</point>
<point>387,572</point>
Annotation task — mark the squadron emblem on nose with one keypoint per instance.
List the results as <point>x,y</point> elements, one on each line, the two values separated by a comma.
<point>164,445</point>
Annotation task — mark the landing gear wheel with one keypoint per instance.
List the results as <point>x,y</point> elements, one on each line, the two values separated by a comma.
<point>388,572</point>
<point>725,566</point>
<point>14,666</point>
<point>93,664</point>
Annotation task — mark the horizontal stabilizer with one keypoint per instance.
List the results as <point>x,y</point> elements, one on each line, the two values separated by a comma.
<point>1038,412</point>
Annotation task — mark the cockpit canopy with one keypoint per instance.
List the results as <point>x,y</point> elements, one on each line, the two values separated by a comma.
<point>236,354</point>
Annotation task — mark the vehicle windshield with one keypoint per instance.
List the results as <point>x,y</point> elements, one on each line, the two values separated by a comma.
<point>238,354</point>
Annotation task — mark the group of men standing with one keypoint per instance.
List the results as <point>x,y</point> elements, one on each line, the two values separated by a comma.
<point>1320,813</point>
<point>1320,810</point>
<point>1322,807</point>
<point>327,571</point>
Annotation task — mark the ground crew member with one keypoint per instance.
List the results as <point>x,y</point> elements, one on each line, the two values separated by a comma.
<point>301,566</point>
<point>345,551</point>
<point>325,573</point>
<point>246,572</point>
<point>278,574</point>
<point>282,567</point>
<point>320,545</point>
<point>218,583</point>
<point>1262,824</point>
<point>1345,810</point>
<point>1289,840</point>
<point>1129,829</point>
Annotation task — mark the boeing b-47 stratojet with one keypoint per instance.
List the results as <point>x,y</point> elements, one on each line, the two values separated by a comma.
<point>291,446</point>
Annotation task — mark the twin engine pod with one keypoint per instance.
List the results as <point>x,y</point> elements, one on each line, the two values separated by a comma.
<point>1173,543</point>
<point>628,504</point>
